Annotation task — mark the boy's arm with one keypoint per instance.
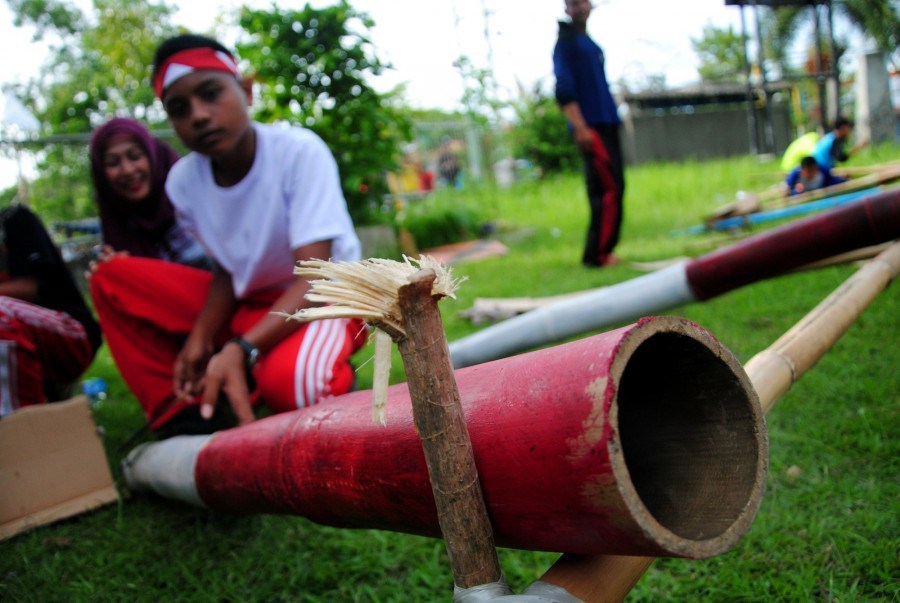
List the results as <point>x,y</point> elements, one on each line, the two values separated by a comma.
<point>566,95</point>
<point>790,183</point>
<point>191,362</point>
<point>226,373</point>
<point>584,136</point>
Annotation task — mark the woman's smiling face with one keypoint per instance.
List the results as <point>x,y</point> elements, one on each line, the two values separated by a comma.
<point>127,168</point>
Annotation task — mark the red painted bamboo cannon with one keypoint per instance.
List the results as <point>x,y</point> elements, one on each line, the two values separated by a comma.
<point>768,254</point>
<point>647,440</point>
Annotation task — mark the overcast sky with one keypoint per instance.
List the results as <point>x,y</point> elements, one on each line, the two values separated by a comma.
<point>422,38</point>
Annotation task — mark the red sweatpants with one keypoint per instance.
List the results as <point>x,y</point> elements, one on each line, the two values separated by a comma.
<point>147,308</point>
<point>37,345</point>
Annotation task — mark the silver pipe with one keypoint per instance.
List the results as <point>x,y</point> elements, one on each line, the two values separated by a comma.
<point>641,296</point>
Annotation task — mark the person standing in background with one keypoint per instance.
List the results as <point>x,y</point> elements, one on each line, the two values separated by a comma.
<point>584,96</point>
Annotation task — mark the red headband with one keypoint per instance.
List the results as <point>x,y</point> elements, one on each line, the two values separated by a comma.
<point>187,61</point>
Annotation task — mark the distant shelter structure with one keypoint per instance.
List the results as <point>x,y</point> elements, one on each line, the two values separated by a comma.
<point>824,71</point>
<point>704,121</point>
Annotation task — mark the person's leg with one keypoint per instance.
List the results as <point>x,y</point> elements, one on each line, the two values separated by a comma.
<point>36,345</point>
<point>311,364</point>
<point>609,136</point>
<point>605,179</point>
<point>146,308</point>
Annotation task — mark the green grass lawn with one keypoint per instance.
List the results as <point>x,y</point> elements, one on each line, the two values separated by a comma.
<point>827,530</point>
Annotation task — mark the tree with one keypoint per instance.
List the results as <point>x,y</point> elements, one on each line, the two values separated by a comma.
<point>541,133</point>
<point>878,19</point>
<point>721,53</point>
<point>98,67</point>
<point>312,65</point>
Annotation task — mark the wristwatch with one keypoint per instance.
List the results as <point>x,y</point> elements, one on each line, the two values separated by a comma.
<point>251,352</point>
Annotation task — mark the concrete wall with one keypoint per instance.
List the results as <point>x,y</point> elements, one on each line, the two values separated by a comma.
<point>704,134</point>
<point>875,117</point>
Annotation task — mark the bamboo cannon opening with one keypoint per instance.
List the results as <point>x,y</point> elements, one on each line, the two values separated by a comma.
<point>693,453</point>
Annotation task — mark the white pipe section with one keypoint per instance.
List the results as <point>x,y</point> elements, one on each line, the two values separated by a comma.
<point>166,468</point>
<point>641,296</point>
<point>499,592</point>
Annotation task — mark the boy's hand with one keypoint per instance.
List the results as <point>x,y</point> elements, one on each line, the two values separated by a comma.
<point>226,374</point>
<point>584,138</point>
<point>189,368</point>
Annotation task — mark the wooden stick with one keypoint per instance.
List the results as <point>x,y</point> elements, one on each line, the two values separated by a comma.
<point>438,416</point>
<point>607,578</point>
<point>402,301</point>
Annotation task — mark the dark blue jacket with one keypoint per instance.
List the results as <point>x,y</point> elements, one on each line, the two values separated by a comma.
<point>828,179</point>
<point>580,76</point>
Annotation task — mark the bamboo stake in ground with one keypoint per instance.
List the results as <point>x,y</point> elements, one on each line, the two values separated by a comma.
<point>608,578</point>
<point>439,420</point>
<point>403,301</point>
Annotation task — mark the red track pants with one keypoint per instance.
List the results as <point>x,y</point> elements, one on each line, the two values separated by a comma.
<point>147,308</point>
<point>37,345</point>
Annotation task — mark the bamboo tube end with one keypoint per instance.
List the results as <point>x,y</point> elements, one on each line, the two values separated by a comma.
<point>690,450</point>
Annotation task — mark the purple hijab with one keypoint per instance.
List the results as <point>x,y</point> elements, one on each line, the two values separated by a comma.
<point>138,228</point>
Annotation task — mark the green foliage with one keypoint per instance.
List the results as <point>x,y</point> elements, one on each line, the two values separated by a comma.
<point>880,19</point>
<point>99,68</point>
<point>721,54</point>
<point>313,64</point>
<point>479,93</point>
<point>779,30</point>
<point>442,218</point>
<point>62,17</point>
<point>541,133</point>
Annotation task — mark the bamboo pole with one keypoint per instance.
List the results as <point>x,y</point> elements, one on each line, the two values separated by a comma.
<point>492,309</point>
<point>774,370</point>
<point>887,173</point>
<point>401,301</point>
<point>438,416</point>
<point>608,578</point>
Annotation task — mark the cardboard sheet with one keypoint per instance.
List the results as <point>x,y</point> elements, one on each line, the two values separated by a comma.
<point>52,465</point>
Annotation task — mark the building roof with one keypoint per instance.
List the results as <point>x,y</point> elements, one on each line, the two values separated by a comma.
<point>706,93</point>
<point>775,3</point>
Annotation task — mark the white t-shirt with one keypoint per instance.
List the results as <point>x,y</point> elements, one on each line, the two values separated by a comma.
<point>290,197</point>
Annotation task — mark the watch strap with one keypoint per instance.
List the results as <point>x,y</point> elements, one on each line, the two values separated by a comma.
<point>251,352</point>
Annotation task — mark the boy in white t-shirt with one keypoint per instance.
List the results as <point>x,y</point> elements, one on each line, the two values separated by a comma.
<point>259,198</point>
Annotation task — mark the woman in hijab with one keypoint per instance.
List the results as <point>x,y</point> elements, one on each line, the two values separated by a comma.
<point>129,169</point>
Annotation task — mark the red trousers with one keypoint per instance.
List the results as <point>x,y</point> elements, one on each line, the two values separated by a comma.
<point>147,308</point>
<point>37,345</point>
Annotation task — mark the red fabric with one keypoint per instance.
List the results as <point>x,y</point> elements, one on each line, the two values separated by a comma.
<point>147,307</point>
<point>610,210</point>
<point>195,59</point>
<point>37,345</point>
